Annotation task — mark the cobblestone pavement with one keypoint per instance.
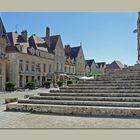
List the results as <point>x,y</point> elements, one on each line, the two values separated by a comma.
<point>29,120</point>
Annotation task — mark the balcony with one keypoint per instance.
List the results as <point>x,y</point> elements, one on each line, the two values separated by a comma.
<point>30,73</point>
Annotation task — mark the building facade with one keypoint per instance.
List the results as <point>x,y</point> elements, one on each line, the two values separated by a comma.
<point>23,68</point>
<point>75,55</point>
<point>27,63</point>
<point>2,63</point>
<point>101,66</point>
<point>90,67</point>
<point>3,44</point>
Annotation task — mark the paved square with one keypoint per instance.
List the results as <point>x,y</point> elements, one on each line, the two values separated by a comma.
<point>29,120</point>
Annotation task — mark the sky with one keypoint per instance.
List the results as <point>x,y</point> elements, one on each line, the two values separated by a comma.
<point>105,36</point>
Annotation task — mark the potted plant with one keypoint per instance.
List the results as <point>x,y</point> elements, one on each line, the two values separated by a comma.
<point>60,83</point>
<point>47,84</point>
<point>10,86</point>
<point>69,82</point>
<point>30,85</point>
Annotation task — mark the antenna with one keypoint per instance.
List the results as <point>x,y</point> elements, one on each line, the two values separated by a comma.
<point>17,27</point>
<point>81,44</point>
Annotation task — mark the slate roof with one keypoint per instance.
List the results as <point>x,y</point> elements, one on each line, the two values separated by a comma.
<point>2,28</point>
<point>15,38</point>
<point>115,65</point>
<point>53,42</point>
<point>100,64</point>
<point>73,52</point>
<point>3,32</point>
<point>89,62</point>
<point>37,43</point>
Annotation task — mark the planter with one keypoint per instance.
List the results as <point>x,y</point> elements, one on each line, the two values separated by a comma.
<point>47,84</point>
<point>60,83</point>
<point>10,86</point>
<point>30,85</point>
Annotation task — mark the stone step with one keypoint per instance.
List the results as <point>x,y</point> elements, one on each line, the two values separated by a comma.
<point>76,110</point>
<point>99,87</point>
<point>125,72</point>
<point>104,84</point>
<point>120,76</point>
<point>82,103</point>
<point>98,91</point>
<point>117,99</point>
<point>114,79</point>
<point>91,94</point>
<point>111,81</point>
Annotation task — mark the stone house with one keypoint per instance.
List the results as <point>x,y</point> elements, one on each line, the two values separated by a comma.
<point>101,66</point>
<point>76,55</point>
<point>90,67</point>
<point>3,43</point>
<point>69,62</point>
<point>115,65</point>
<point>55,46</point>
<point>26,62</point>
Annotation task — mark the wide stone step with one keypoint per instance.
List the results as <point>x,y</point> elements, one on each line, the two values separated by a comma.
<point>114,79</point>
<point>92,94</point>
<point>76,110</point>
<point>100,87</point>
<point>109,81</point>
<point>123,74</point>
<point>97,91</point>
<point>120,76</point>
<point>119,99</point>
<point>82,103</point>
<point>105,84</point>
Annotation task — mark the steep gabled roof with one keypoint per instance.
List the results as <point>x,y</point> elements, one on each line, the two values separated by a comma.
<point>100,64</point>
<point>53,42</point>
<point>74,52</point>
<point>40,42</point>
<point>3,32</point>
<point>115,65</point>
<point>89,62</point>
<point>15,38</point>
<point>2,28</point>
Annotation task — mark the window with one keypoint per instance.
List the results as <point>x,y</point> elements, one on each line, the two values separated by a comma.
<point>44,67</point>
<point>57,67</point>
<point>21,65</point>
<point>73,70</point>
<point>33,78</point>
<point>27,65</point>
<point>50,67</point>
<point>0,69</point>
<point>61,67</point>
<point>39,53</point>
<point>33,66</point>
<point>27,79</point>
<point>69,69</point>
<point>20,80</point>
<point>38,68</point>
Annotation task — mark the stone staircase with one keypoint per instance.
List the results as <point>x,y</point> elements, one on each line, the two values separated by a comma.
<point>114,94</point>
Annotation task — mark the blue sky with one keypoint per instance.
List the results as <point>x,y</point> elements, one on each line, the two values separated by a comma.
<point>105,36</point>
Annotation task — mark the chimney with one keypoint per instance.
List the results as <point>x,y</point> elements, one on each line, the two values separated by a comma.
<point>67,49</point>
<point>24,34</point>
<point>48,36</point>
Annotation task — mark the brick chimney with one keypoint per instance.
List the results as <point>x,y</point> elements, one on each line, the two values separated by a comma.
<point>67,50</point>
<point>48,36</point>
<point>24,34</point>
